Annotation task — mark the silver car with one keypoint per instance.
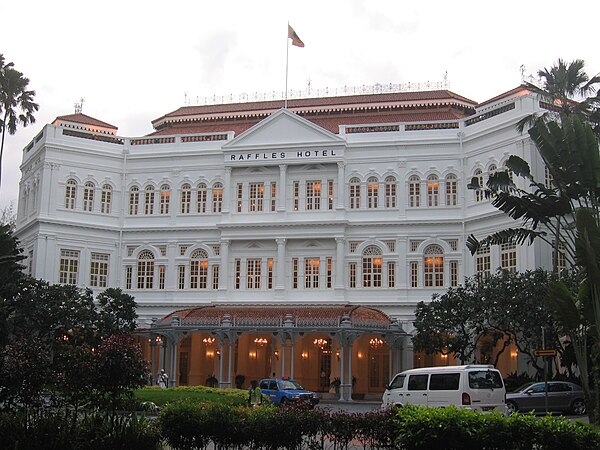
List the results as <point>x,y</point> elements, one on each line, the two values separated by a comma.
<point>562,396</point>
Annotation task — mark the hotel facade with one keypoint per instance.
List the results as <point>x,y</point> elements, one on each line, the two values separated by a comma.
<point>258,239</point>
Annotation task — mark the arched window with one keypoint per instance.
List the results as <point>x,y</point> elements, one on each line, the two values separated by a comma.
<point>372,192</point>
<point>433,191</point>
<point>354,193</point>
<point>202,197</point>
<point>88,196</point>
<point>451,190</point>
<point>134,200</point>
<point>390,192</point>
<point>149,200</point>
<point>433,264</point>
<point>70,193</point>
<point>479,193</point>
<point>492,169</point>
<point>372,264</point>
<point>186,198</point>
<point>217,192</point>
<point>414,191</point>
<point>199,269</point>
<point>165,198</point>
<point>145,270</point>
<point>106,199</point>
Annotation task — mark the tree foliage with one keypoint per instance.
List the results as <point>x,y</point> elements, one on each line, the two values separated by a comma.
<point>501,309</point>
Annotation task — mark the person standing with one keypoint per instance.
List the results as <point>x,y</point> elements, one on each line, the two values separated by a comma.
<point>163,379</point>
<point>254,394</point>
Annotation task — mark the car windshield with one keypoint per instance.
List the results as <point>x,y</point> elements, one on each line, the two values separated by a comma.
<point>288,385</point>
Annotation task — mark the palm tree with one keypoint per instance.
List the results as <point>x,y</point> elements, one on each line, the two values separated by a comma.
<point>16,102</point>
<point>566,89</point>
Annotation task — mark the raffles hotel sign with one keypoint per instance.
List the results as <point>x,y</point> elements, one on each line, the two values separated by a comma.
<point>293,156</point>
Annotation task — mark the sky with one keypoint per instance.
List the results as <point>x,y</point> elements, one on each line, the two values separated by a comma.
<point>133,61</point>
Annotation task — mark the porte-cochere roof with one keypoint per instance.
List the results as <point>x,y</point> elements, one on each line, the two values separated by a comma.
<point>293,316</point>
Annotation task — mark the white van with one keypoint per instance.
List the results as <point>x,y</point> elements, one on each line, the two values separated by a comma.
<point>478,387</point>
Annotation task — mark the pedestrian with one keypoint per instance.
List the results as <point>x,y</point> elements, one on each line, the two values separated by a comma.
<point>254,394</point>
<point>163,379</point>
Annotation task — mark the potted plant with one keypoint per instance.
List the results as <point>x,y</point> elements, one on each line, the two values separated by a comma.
<point>239,381</point>
<point>212,381</point>
<point>335,384</point>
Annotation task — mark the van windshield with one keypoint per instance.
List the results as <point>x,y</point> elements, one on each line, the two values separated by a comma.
<point>485,379</point>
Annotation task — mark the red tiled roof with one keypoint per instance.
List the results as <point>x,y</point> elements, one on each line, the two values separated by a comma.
<point>356,313</point>
<point>329,120</point>
<point>442,96</point>
<point>84,120</point>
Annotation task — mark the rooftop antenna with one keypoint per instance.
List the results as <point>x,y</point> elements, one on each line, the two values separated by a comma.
<point>79,106</point>
<point>308,85</point>
<point>446,79</point>
<point>185,99</point>
<point>522,69</point>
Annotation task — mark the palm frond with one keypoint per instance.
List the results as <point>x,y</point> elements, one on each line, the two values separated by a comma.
<point>517,236</point>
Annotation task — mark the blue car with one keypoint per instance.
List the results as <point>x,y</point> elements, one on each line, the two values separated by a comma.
<point>285,392</point>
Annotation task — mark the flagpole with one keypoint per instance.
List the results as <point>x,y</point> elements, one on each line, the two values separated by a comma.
<point>287,54</point>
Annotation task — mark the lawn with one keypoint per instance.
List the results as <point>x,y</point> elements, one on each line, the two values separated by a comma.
<point>161,397</point>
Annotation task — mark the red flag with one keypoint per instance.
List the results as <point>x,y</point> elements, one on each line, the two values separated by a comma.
<point>294,37</point>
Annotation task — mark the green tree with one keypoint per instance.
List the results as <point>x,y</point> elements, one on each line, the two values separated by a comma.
<point>500,309</point>
<point>16,102</point>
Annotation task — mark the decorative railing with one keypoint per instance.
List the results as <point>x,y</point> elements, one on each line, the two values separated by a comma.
<point>317,321</point>
<point>431,126</point>
<point>152,141</point>
<point>204,137</point>
<point>489,114</point>
<point>550,106</point>
<point>201,321</point>
<point>257,321</point>
<point>93,136</point>
<point>373,129</point>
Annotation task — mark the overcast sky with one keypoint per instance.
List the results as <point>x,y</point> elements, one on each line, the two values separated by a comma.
<point>134,61</point>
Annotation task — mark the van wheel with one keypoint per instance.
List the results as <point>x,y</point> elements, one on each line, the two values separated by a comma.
<point>578,407</point>
<point>284,401</point>
<point>511,407</point>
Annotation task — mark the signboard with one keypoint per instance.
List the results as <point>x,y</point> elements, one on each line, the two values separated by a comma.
<point>545,353</point>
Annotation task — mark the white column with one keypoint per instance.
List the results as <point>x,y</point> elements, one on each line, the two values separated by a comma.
<point>280,264</point>
<point>407,354</point>
<point>282,188</point>
<point>341,191</point>
<point>223,272</point>
<point>339,263</point>
<point>227,189</point>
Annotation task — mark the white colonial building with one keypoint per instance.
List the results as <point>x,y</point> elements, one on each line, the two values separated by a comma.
<point>259,239</point>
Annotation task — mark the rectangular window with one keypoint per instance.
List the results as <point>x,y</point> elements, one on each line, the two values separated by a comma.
<point>99,269</point>
<point>253,274</point>
<point>330,194</point>
<point>312,268</point>
<point>202,196</point>
<point>453,273</point>
<point>444,381</point>
<point>296,195</point>
<point>451,192</point>
<point>165,200</point>
<point>414,274</point>
<point>198,274</point>
<point>352,275</point>
<point>561,258</point>
<point>238,273</point>
<point>372,193</point>
<point>217,198</point>
<point>483,263</point>
<point>414,194</point>
<point>508,257</point>
<point>181,277</point>
<point>30,263</point>
<point>313,195</point>
<point>273,196</point>
<point>329,273</point>
<point>295,273</point>
<point>390,194</point>
<point>240,197</point>
<point>186,199</point>
<point>391,274</point>
<point>69,265</point>
<point>145,274</point>
<point>128,276</point>
<point>215,277</point>
<point>88,198</point>
<point>105,200</point>
<point>162,272</point>
<point>270,273</point>
<point>149,202</point>
<point>134,200</point>
<point>257,195</point>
